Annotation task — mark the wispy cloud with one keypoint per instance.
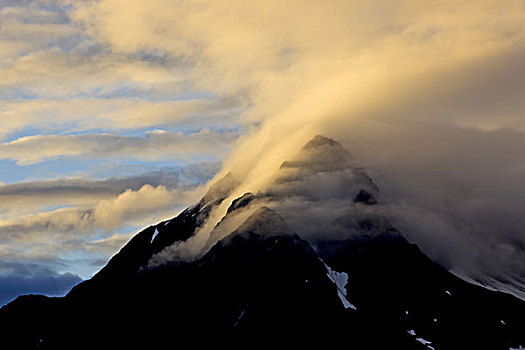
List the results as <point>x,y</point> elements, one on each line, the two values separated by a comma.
<point>154,145</point>
<point>54,77</point>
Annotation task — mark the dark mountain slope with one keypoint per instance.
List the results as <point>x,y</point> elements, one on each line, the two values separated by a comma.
<point>397,287</point>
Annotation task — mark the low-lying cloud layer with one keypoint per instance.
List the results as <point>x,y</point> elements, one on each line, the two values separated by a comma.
<point>17,279</point>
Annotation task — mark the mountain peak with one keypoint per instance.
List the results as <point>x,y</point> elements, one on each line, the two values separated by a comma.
<point>321,154</point>
<point>320,140</point>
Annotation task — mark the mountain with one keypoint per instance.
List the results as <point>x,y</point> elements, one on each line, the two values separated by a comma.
<point>310,258</point>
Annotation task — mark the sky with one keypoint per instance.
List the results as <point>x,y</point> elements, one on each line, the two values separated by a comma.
<point>115,114</point>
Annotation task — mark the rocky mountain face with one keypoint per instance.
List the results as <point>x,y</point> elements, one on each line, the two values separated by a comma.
<point>311,258</point>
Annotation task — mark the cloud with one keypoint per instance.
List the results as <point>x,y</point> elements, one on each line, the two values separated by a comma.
<point>146,205</point>
<point>17,279</point>
<point>71,224</point>
<point>338,62</point>
<point>54,77</point>
<point>171,177</point>
<point>111,114</point>
<point>82,237</point>
<point>154,146</point>
<point>25,199</point>
<point>286,50</point>
<point>456,192</point>
<point>108,246</point>
<point>132,204</point>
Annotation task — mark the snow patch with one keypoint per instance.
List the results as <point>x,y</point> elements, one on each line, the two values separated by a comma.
<point>340,280</point>
<point>239,318</point>
<point>503,322</point>
<point>154,235</point>
<point>423,341</point>
<point>448,292</point>
<point>346,303</point>
<point>520,348</point>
